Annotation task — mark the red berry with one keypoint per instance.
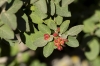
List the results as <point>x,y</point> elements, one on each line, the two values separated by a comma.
<point>55,34</point>
<point>60,48</point>
<point>55,41</point>
<point>46,36</point>
<point>62,42</point>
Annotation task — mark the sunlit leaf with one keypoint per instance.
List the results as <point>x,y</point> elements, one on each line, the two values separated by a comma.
<point>72,42</point>
<point>62,11</point>
<point>15,7</point>
<point>52,7</point>
<point>6,32</point>
<point>43,28</point>
<point>66,2</point>
<point>64,26</point>
<point>48,49</point>
<point>9,19</point>
<point>75,30</point>
<point>58,20</point>
<point>41,4</point>
<point>51,24</point>
<point>27,22</point>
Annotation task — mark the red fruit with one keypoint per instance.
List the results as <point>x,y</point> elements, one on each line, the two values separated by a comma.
<point>55,41</point>
<point>57,44</point>
<point>46,36</point>
<point>60,48</point>
<point>55,34</point>
<point>62,42</point>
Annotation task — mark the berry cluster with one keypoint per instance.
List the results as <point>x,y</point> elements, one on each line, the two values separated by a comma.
<point>58,41</point>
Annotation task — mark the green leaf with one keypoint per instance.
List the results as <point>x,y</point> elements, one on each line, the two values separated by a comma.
<point>6,32</point>
<point>97,32</point>
<point>72,42</point>
<point>9,19</point>
<point>96,62</point>
<point>35,18</point>
<point>33,1</point>
<point>41,4</point>
<point>29,41</point>
<point>94,49</point>
<point>40,14</point>
<point>87,27</point>
<point>15,7</point>
<point>62,11</point>
<point>2,2</point>
<point>43,28</point>
<point>12,42</point>
<point>64,26</point>
<point>58,20</point>
<point>75,30</point>
<point>48,49</point>
<point>14,50</point>
<point>27,22</point>
<point>35,63</point>
<point>66,2</point>
<point>40,42</point>
<point>57,1</point>
<point>51,24</point>
<point>52,7</point>
<point>25,56</point>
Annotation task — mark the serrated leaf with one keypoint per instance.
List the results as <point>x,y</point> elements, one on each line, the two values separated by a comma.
<point>64,26</point>
<point>52,7</point>
<point>75,30</point>
<point>2,2</point>
<point>35,18</point>
<point>58,20</point>
<point>94,49</point>
<point>15,7</point>
<point>43,28</point>
<point>6,32</point>
<point>29,41</point>
<point>27,22</point>
<point>48,49</point>
<point>41,4</point>
<point>62,11</point>
<point>66,2</point>
<point>72,42</point>
<point>40,42</point>
<point>9,19</point>
<point>51,24</point>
